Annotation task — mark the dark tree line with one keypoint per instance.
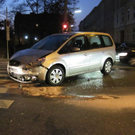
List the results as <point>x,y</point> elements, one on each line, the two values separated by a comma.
<point>2,2</point>
<point>40,6</point>
<point>37,7</point>
<point>45,6</point>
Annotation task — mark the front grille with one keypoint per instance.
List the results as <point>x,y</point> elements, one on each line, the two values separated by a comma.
<point>14,63</point>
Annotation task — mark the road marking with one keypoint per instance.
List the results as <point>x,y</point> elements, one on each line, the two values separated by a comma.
<point>5,103</point>
<point>3,90</point>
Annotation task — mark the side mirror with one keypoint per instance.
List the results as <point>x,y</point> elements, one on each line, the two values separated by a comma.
<point>75,49</point>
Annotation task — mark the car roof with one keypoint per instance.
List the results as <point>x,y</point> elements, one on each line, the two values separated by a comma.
<point>81,33</point>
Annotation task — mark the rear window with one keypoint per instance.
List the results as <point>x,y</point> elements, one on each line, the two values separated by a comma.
<point>94,41</point>
<point>107,41</point>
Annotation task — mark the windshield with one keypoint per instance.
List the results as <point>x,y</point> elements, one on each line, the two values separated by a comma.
<point>51,42</point>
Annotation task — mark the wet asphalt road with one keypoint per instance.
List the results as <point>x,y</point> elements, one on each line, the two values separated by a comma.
<point>88,104</point>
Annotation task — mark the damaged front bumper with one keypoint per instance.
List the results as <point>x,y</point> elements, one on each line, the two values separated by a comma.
<point>19,74</point>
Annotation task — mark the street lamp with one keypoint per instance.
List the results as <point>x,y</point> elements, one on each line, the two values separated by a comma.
<point>26,37</point>
<point>78,11</point>
<point>36,39</point>
<point>66,26</point>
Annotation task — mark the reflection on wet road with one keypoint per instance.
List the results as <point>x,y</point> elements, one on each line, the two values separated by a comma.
<point>85,104</point>
<point>85,85</point>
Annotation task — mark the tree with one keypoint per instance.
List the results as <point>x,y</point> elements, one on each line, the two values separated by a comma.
<point>53,6</point>
<point>2,2</point>
<point>51,11</point>
<point>45,6</point>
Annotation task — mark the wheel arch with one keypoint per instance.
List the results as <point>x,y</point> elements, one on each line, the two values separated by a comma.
<point>105,59</point>
<point>57,64</point>
<point>106,69</point>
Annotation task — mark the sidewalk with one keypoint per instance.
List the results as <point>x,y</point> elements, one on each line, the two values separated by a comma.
<point>3,60</point>
<point>3,68</point>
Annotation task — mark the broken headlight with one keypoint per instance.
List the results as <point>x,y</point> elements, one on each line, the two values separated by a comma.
<point>38,62</point>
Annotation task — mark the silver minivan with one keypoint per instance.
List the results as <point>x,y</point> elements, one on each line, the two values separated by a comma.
<point>62,55</point>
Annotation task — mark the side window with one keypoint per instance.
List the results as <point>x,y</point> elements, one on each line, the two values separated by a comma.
<point>65,48</point>
<point>79,43</point>
<point>94,41</point>
<point>74,45</point>
<point>107,41</point>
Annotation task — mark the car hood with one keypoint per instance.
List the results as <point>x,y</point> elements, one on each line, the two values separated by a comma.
<point>29,55</point>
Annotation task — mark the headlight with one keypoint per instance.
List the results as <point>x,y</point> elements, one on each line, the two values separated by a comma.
<point>123,54</point>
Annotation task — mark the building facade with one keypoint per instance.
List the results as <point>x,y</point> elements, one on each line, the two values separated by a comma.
<point>116,17</point>
<point>90,22</point>
<point>124,21</point>
<point>100,18</point>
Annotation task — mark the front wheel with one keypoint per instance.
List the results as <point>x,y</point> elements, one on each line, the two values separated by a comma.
<point>55,75</point>
<point>107,67</point>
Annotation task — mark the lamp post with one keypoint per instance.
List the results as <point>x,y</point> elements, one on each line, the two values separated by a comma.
<point>7,32</point>
<point>65,24</point>
<point>65,11</point>
<point>76,12</point>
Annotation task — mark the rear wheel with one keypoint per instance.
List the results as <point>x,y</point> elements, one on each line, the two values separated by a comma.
<point>107,67</point>
<point>132,61</point>
<point>55,75</point>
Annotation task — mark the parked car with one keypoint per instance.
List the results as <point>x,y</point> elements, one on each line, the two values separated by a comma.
<point>126,53</point>
<point>62,55</point>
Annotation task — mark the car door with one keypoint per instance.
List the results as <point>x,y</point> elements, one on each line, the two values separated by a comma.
<point>78,58</point>
<point>96,52</point>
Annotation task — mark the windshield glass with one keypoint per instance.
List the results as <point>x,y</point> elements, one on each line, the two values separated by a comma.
<point>51,42</point>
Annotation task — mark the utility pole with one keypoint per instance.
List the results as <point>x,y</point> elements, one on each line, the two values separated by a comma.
<point>66,25</point>
<point>65,11</point>
<point>7,32</point>
<point>37,6</point>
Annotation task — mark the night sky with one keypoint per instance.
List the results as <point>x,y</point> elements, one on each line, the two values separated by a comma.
<point>85,5</point>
